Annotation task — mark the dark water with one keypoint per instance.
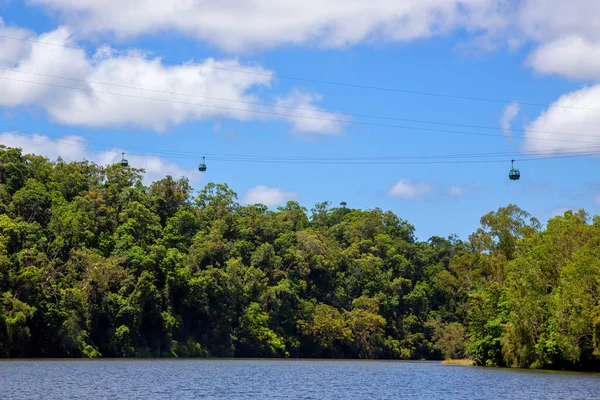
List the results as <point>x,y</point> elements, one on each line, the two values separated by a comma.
<point>266,379</point>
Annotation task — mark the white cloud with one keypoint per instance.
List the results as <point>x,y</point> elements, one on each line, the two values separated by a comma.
<point>268,196</point>
<point>564,35</point>
<point>510,112</point>
<point>74,148</point>
<point>11,49</point>
<point>310,118</point>
<point>40,59</point>
<point>245,25</point>
<point>549,20</point>
<point>567,33</point>
<point>456,191</point>
<point>572,57</point>
<point>406,189</point>
<point>569,124</point>
<point>242,25</point>
<point>117,104</point>
<point>569,45</point>
<point>564,30</point>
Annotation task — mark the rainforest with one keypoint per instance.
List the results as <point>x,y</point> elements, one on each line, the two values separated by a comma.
<point>93,263</point>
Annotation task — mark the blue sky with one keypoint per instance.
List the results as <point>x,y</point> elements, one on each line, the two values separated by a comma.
<point>514,51</point>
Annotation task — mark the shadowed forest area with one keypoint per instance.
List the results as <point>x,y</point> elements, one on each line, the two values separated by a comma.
<point>95,264</point>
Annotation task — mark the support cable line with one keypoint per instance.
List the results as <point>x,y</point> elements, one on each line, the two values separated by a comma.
<point>192,155</point>
<point>480,158</point>
<point>277,106</point>
<point>318,81</point>
<point>102,146</point>
<point>373,124</point>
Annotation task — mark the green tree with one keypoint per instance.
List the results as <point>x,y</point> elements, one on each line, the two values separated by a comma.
<point>254,335</point>
<point>32,202</point>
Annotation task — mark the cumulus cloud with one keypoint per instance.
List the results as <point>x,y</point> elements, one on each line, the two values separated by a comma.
<point>308,117</point>
<point>549,20</point>
<point>241,25</point>
<point>564,36</point>
<point>568,41</point>
<point>11,49</point>
<point>409,190</point>
<point>569,124</point>
<point>74,148</point>
<point>572,57</point>
<point>566,33</point>
<point>268,196</point>
<point>510,112</point>
<point>109,89</point>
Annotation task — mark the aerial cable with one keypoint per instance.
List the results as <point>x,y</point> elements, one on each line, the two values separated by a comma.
<point>333,162</point>
<point>374,124</point>
<point>542,155</point>
<point>225,157</point>
<point>146,151</point>
<point>319,81</point>
<point>274,105</point>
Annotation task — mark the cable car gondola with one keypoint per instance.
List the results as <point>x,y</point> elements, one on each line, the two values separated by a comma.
<point>514,174</point>
<point>124,162</point>
<point>202,166</point>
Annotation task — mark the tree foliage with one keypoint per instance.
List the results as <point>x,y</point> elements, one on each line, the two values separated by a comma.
<point>93,263</point>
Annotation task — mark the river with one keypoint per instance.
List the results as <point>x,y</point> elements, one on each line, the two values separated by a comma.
<point>282,379</point>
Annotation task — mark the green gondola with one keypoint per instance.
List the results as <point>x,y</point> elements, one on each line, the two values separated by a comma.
<point>124,162</point>
<point>202,166</point>
<point>514,173</point>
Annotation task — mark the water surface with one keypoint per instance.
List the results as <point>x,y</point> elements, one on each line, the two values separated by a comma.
<point>282,379</point>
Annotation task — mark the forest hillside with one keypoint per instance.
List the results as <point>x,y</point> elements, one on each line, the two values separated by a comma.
<point>93,263</point>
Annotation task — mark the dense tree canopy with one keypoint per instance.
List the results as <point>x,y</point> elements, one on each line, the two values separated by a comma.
<point>93,263</point>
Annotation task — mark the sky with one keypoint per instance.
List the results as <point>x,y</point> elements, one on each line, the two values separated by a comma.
<point>416,107</point>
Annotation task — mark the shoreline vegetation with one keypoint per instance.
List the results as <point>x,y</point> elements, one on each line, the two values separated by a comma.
<point>94,263</point>
<point>465,361</point>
